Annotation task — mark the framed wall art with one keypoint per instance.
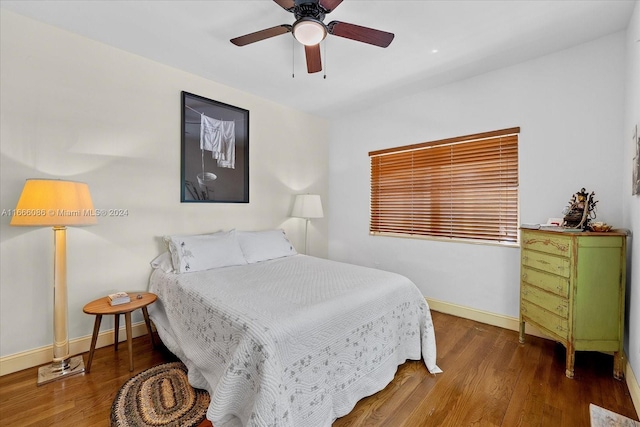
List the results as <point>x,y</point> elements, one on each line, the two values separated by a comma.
<point>214,152</point>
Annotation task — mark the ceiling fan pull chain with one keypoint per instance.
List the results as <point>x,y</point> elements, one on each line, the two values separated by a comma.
<point>324,45</point>
<point>293,58</point>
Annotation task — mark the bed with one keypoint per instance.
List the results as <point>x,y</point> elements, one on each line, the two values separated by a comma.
<point>283,339</point>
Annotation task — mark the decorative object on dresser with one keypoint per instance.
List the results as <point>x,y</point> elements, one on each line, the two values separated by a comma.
<point>56,203</point>
<point>600,226</point>
<point>581,210</point>
<point>572,288</point>
<point>307,206</point>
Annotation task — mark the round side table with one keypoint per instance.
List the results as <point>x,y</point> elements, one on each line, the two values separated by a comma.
<point>101,307</point>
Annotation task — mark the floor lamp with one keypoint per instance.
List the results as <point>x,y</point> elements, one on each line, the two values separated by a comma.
<point>57,204</point>
<point>307,206</point>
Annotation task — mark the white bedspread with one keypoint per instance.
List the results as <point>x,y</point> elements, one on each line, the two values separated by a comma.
<point>295,341</point>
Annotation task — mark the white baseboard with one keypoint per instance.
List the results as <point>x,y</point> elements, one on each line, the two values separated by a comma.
<point>499,320</point>
<point>634,388</point>
<point>43,355</point>
<point>513,324</point>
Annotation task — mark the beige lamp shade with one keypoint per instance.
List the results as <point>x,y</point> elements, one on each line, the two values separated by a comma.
<point>53,202</point>
<point>307,206</point>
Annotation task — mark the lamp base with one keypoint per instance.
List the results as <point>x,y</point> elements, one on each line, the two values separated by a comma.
<point>55,371</point>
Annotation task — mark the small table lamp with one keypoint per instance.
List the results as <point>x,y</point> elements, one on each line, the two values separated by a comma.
<point>307,206</point>
<point>56,203</point>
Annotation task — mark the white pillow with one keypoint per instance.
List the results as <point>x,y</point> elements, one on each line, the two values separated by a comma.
<point>163,262</point>
<point>205,251</point>
<point>264,245</point>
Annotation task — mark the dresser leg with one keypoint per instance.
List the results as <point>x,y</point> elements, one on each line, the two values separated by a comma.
<point>571,359</point>
<point>521,336</point>
<point>618,365</point>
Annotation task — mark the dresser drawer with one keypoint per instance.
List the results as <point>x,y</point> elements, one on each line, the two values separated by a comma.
<point>601,242</point>
<point>557,325</point>
<point>545,242</point>
<point>552,302</point>
<point>545,262</point>
<point>550,282</point>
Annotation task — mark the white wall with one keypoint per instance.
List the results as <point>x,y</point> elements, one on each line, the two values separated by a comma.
<point>569,106</point>
<point>76,109</point>
<point>632,203</point>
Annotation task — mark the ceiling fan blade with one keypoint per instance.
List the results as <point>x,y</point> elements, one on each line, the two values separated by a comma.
<point>361,34</point>
<point>329,5</point>
<point>287,5</point>
<point>261,35</point>
<point>314,62</point>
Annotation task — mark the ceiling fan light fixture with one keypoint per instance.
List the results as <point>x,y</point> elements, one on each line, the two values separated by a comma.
<point>309,31</point>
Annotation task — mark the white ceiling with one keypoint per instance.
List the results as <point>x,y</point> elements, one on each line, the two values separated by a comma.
<point>471,37</point>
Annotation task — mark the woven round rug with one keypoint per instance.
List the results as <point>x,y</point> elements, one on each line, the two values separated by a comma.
<point>159,396</point>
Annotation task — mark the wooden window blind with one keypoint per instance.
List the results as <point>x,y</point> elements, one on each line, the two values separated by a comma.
<point>457,188</point>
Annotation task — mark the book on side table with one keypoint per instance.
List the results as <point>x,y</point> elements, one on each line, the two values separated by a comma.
<point>119,298</point>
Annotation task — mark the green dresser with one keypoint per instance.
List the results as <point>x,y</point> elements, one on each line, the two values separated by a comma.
<point>572,289</point>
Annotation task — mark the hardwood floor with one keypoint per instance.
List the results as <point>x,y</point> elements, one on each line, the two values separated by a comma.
<point>489,380</point>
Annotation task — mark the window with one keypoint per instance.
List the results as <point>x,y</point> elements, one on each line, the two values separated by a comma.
<point>457,188</point>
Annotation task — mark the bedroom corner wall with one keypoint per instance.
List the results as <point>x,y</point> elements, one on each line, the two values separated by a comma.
<point>632,203</point>
<point>76,109</point>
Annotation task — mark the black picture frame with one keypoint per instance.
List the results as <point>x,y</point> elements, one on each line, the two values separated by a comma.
<point>214,151</point>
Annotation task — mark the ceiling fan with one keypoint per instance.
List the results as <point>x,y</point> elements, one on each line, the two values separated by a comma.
<point>309,29</point>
